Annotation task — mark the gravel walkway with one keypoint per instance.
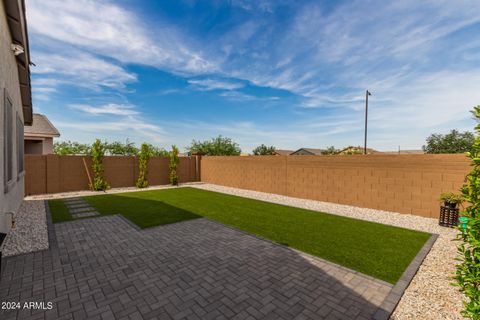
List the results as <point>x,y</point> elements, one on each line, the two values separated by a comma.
<point>84,193</point>
<point>430,294</point>
<point>30,233</point>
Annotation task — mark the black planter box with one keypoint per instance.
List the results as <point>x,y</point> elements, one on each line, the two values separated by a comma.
<point>448,216</point>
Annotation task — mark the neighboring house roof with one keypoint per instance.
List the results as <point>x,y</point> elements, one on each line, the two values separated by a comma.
<point>311,151</point>
<point>283,152</point>
<point>41,128</point>
<point>17,23</point>
<point>359,150</point>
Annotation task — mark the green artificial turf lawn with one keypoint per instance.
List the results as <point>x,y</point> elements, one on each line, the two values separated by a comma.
<point>59,211</point>
<point>381,251</point>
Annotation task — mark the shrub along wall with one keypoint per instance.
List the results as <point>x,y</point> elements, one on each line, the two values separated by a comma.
<point>53,173</point>
<point>402,183</point>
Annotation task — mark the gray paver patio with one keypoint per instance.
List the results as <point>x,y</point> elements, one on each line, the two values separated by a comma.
<point>103,268</point>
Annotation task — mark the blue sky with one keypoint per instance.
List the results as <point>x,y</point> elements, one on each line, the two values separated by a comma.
<point>285,73</point>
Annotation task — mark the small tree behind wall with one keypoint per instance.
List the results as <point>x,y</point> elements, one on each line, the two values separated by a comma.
<point>468,270</point>
<point>143,159</point>
<point>174,160</point>
<point>98,152</point>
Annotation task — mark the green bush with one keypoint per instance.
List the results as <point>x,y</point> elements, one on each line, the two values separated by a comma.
<point>219,146</point>
<point>118,148</point>
<point>263,150</point>
<point>98,152</point>
<point>71,148</point>
<point>143,159</point>
<point>453,142</point>
<point>468,270</point>
<point>174,160</point>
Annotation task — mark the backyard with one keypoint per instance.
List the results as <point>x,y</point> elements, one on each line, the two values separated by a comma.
<point>348,242</point>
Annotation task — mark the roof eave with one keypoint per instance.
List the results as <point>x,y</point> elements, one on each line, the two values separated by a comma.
<point>17,23</point>
<point>40,135</point>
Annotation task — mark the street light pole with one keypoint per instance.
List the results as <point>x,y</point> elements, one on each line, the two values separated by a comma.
<point>367,93</point>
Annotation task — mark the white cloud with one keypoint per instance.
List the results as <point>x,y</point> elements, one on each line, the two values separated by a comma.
<point>80,69</point>
<point>213,84</point>
<point>124,125</point>
<point>111,108</point>
<point>104,28</point>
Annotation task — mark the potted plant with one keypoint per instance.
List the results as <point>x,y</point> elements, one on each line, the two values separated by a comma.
<point>451,200</point>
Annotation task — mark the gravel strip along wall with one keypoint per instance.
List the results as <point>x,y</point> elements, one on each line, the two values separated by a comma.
<point>430,294</point>
<point>30,233</point>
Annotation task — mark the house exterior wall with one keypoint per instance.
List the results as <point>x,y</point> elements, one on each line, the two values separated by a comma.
<point>33,146</point>
<point>9,84</point>
<point>44,146</point>
<point>47,146</point>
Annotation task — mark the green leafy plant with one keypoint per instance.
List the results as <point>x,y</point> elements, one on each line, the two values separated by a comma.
<point>143,159</point>
<point>468,270</point>
<point>71,148</point>
<point>330,151</point>
<point>263,150</point>
<point>453,142</point>
<point>159,152</point>
<point>98,152</point>
<point>451,199</point>
<point>118,148</point>
<point>219,146</point>
<point>174,160</point>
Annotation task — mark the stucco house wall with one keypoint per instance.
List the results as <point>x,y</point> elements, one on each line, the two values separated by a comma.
<point>40,146</point>
<point>11,198</point>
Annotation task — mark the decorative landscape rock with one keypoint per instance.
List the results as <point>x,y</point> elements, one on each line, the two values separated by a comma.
<point>30,233</point>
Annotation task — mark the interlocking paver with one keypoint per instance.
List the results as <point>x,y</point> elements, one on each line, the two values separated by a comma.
<point>103,268</point>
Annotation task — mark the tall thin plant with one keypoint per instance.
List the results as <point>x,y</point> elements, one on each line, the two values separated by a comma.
<point>468,270</point>
<point>143,160</point>
<point>98,152</point>
<point>174,160</point>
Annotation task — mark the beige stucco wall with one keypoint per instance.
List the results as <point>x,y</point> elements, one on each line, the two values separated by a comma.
<point>48,146</point>
<point>44,146</point>
<point>11,200</point>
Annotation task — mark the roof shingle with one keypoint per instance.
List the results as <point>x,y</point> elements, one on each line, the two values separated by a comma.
<point>41,127</point>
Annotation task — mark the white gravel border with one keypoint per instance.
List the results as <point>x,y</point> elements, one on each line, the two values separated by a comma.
<point>430,295</point>
<point>84,193</point>
<point>30,233</point>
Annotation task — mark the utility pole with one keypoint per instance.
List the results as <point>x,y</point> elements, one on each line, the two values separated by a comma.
<point>367,93</point>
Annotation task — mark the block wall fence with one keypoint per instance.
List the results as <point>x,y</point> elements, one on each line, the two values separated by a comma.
<point>401,183</point>
<point>52,173</point>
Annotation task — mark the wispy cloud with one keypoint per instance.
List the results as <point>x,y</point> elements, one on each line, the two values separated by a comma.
<point>105,28</point>
<point>80,69</point>
<point>213,84</point>
<point>240,96</point>
<point>111,108</point>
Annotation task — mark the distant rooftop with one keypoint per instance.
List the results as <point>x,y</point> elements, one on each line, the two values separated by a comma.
<point>281,152</point>
<point>309,151</point>
<point>41,127</point>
